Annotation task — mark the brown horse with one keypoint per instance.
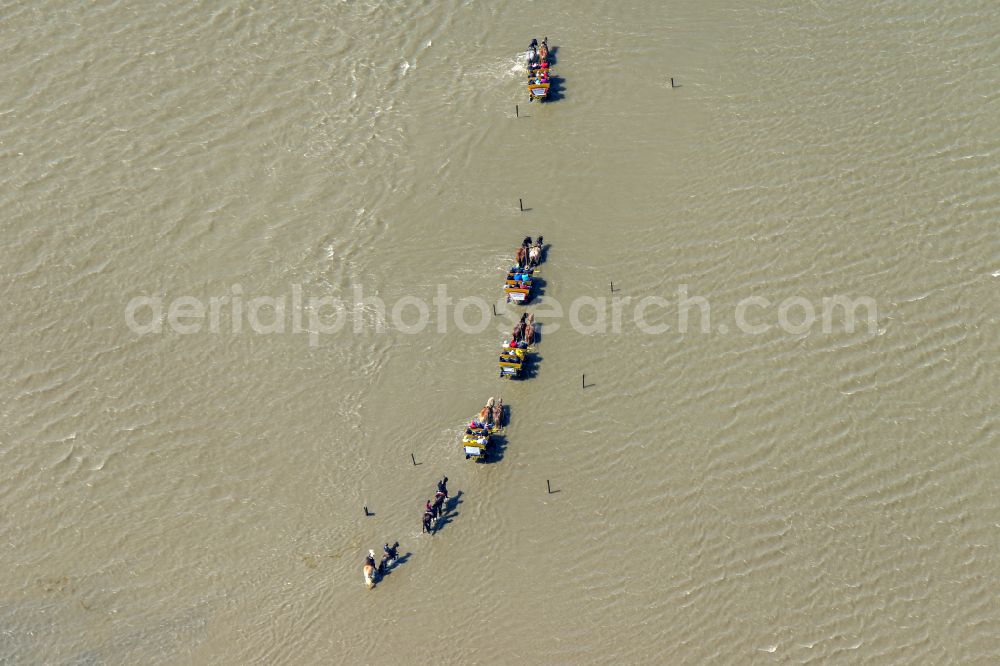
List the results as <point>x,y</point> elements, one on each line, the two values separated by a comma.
<point>486,416</point>
<point>498,413</point>
<point>439,504</point>
<point>522,256</point>
<point>387,560</point>
<point>427,524</point>
<point>518,333</point>
<point>529,330</point>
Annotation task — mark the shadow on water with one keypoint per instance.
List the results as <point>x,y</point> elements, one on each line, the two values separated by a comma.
<point>505,417</point>
<point>555,89</point>
<point>498,443</point>
<point>449,512</point>
<point>537,287</point>
<point>529,369</point>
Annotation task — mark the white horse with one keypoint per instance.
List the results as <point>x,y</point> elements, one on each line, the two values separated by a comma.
<point>485,412</point>
<point>534,255</point>
<point>370,571</point>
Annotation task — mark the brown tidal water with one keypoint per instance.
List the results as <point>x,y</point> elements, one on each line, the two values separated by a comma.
<point>724,497</point>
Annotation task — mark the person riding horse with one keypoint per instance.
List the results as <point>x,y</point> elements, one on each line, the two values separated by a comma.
<point>443,487</point>
<point>427,525</point>
<point>391,553</point>
<point>369,570</point>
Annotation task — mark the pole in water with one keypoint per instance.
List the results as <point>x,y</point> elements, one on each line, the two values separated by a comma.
<point>366,511</point>
<point>520,202</point>
<point>548,484</point>
<point>612,286</point>
<point>672,82</point>
<point>517,111</point>
<point>494,309</point>
<point>583,381</point>
<point>413,459</point>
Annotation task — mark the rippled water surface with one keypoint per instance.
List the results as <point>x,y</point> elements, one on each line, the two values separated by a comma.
<point>826,497</point>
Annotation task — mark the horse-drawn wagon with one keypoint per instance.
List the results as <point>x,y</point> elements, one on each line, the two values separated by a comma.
<point>537,61</point>
<point>517,286</point>
<point>512,362</point>
<point>537,88</point>
<point>488,421</point>
<point>475,443</point>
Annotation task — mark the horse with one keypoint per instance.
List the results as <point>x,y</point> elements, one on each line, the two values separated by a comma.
<point>439,504</point>
<point>498,413</point>
<point>534,256</point>
<point>486,413</point>
<point>383,565</point>
<point>369,569</point>
<point>518,332</point>
<point>522,256</point>
<point>531,55</point>
<point>529,330</point>
<point>427,524</point>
